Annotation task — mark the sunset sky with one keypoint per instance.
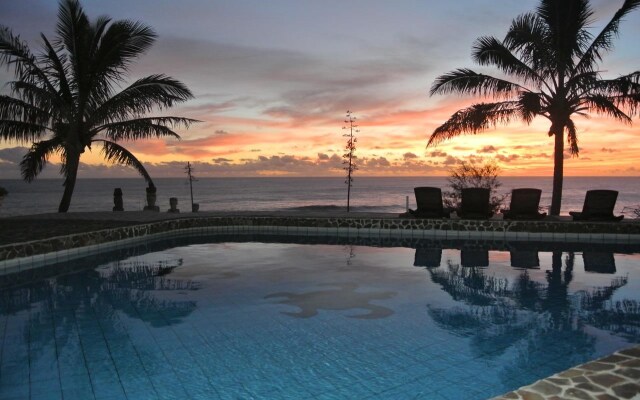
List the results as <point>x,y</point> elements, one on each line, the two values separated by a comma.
<point>273,80</point>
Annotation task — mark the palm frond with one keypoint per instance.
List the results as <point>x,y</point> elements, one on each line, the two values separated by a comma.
<point>623,91</point>
<point>20,131</point>
<point>603,42</point>
<point>490,51</point>
<point>115,153</point>
<point>75,35</point>
<point>526,38</point>
<point>121,43</point>
<point>57,69</point>
<point>73,25</point>
<point>37,157</point>
<point>475,119</point>
<point>36,95</point>
<point>113,51</point>
<point>623,85</point>
<point>466,81</point>
<point>606,105</point>
<point>143,128</point>
<point>14,52</point>
<point>572,138</point>
<point>18,110</point>
<point>530,105</point>
<point>566,22</point>
<point>142,96</point>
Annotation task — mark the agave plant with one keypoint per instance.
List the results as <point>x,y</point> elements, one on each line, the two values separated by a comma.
<point>72,94</point>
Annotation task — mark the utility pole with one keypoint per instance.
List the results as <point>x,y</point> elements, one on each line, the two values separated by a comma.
<point>189,170</point>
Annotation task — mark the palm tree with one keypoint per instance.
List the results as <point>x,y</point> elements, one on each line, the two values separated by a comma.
<point>553,60</point>
<point>68,97</point>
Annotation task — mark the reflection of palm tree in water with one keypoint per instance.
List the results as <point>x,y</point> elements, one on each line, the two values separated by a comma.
<point>543,322</point>
<point>69,304</point>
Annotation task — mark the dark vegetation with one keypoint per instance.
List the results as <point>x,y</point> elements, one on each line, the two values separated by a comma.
<point>553,62</point>
<point>470,175</point>
<point>69,97</point>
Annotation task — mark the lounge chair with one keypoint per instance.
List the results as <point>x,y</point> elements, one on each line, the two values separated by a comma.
<point>428,257</point>
<point>475,204</point>
<point>524,204</point>
<point>598,206</point>
<point>524,259</point>
<point>429,203</point>
<point>474,257</point>
<point>602,263</point>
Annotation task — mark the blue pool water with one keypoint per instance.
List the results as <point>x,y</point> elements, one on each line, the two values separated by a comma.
<point>236,320</point>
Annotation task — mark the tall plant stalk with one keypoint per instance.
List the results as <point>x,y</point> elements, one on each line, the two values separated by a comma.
<point>350,148</point>
<point>189,171</point>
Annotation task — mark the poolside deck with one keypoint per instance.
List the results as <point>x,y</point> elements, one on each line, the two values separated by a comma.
<point>39,234</point>
<point>609,378</point>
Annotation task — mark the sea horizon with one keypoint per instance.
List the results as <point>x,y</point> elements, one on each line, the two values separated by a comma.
<point>280,193</point>
<point>314,176</point>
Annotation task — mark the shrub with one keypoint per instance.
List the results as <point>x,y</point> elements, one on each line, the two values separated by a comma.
<point>468,175</point>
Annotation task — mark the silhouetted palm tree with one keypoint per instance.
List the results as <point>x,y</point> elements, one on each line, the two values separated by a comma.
<point>66,98</point>
<point>554,61</point>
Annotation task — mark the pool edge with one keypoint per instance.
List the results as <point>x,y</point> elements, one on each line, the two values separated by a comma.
<point>616,376</point>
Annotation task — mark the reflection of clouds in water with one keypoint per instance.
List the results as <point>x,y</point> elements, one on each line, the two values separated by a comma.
<point>344,298</point>
<point>226,275</point>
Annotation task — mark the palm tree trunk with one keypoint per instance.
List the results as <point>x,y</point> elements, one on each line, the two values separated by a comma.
<point>558,165</point>
<point>73,161</point>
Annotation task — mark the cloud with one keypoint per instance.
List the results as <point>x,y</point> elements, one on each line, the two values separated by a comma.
<point>606,150</point>
<point>221,160</point>
<point>487,149</point>
<point>221,132</point>
<point>375,163</point>
<point>507,159</point>
<point>438,153</point>
<point>537,155</point>
<point>450,160</point>
<point>409,156</point>
<point>12,155</point>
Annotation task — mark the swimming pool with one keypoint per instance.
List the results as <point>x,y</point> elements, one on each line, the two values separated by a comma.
<point>261,319</point>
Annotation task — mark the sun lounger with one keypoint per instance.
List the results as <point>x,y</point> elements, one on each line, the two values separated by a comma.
<point>474,257</point>
<point>428,257</point>
<point>599,262</point>
<point>524,204</point>
<point>429,203</point>
<point>598,206</point>
<point>524,259</point>
<point>475,204</point>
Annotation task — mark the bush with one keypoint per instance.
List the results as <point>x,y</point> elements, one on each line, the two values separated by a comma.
<point>468,175</point>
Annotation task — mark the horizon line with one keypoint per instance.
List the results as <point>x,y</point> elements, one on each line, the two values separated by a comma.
<point>320,177</point>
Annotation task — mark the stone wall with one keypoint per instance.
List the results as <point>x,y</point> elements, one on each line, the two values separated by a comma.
<point>406,228</point>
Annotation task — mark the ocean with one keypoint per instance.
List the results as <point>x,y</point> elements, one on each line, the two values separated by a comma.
<point>368,194</point>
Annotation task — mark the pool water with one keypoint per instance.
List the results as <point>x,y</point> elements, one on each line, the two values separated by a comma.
<point>295,321</point>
